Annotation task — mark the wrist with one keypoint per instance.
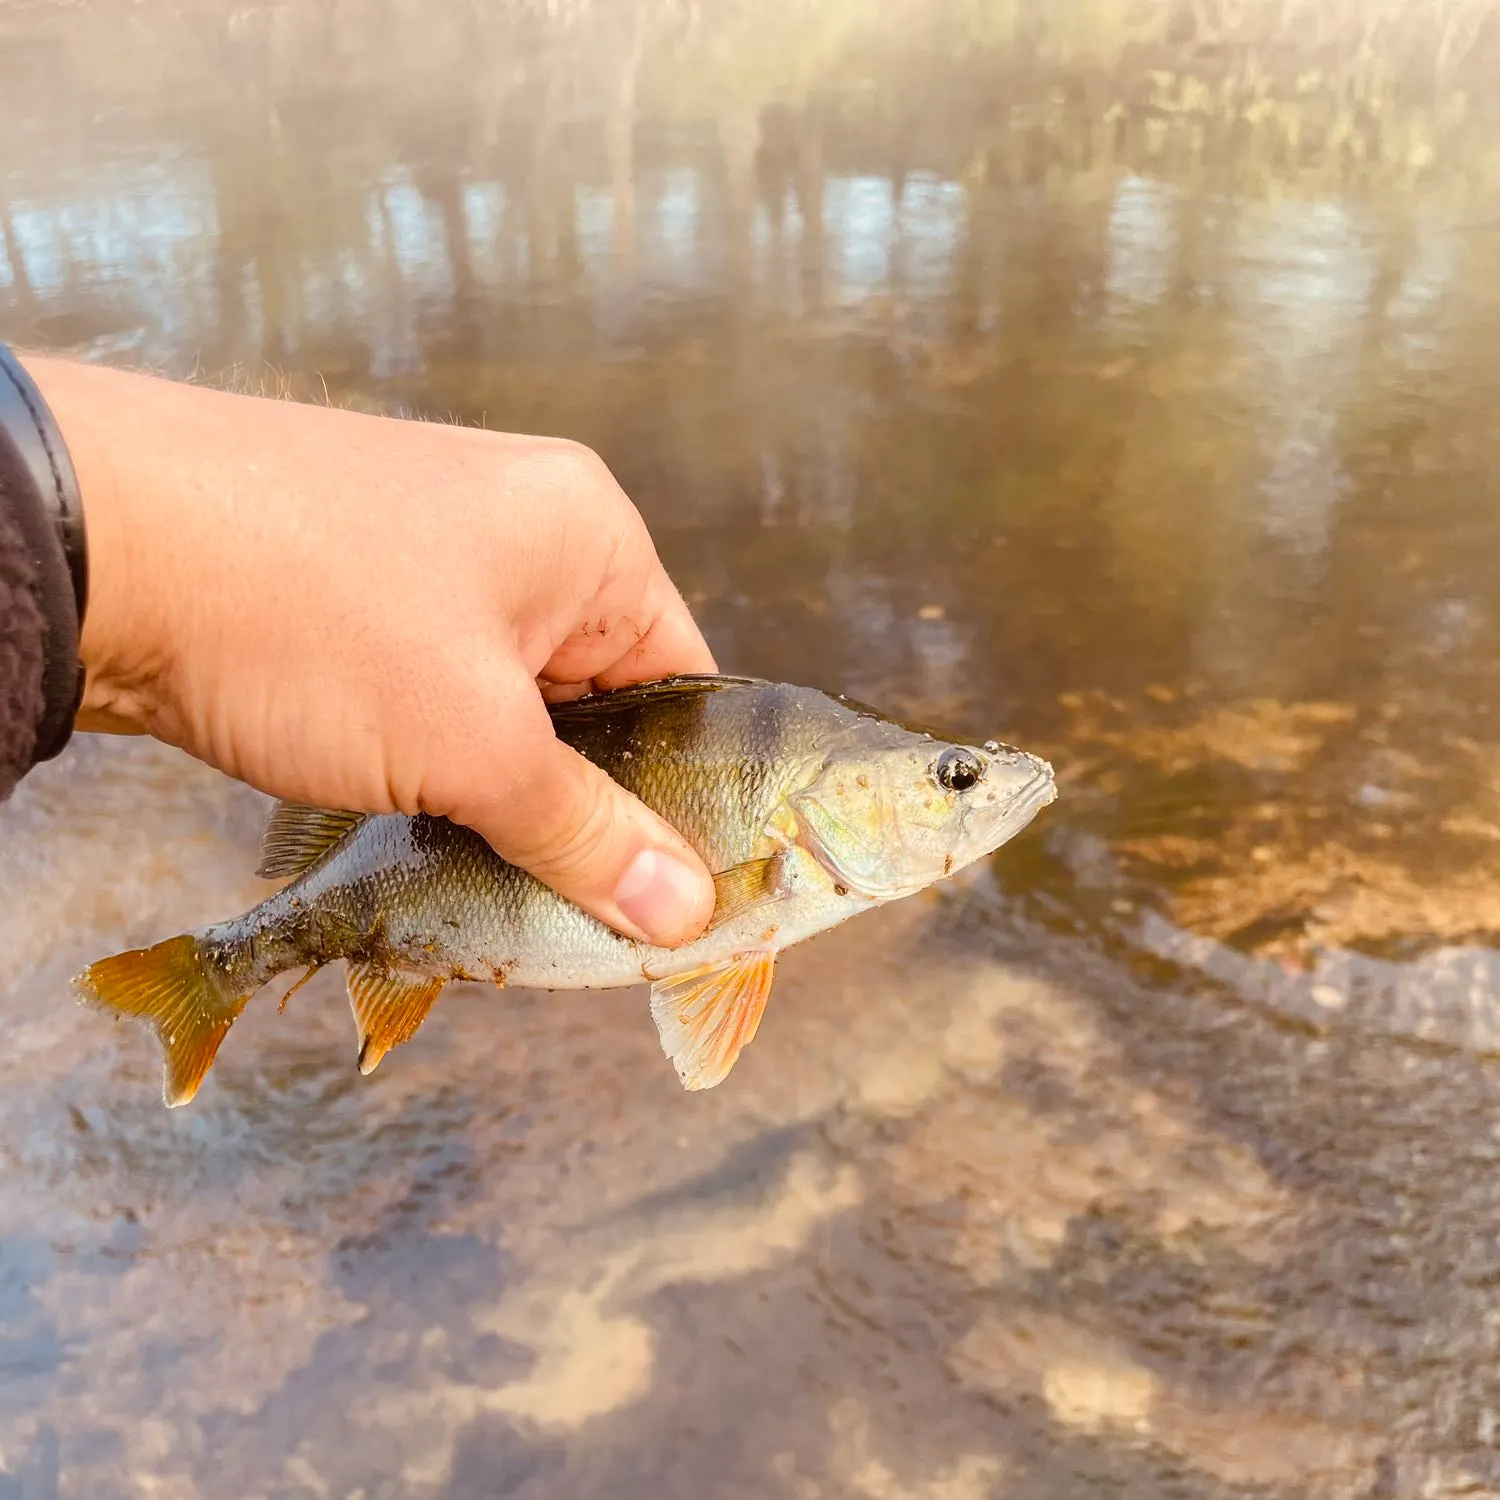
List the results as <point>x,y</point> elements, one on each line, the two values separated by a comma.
<point>97,413</point>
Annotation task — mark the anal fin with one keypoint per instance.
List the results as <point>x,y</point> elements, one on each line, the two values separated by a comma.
<point>389,1008</point>
<point>741,887</point>
<point>296,837</point>
<point>709,1015</point>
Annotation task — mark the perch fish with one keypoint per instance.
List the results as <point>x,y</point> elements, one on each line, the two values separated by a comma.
<point>810,809</point>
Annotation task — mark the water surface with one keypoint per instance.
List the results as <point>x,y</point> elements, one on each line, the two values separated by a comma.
<point>1018,384</point>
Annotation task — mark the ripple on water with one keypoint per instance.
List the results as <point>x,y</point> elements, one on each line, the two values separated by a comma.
<point>1449,997</point>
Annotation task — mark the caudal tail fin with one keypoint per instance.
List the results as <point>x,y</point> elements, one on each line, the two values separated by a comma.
<point>171,987</point>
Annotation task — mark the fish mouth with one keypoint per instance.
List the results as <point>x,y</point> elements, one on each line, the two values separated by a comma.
<point>1041,789</point>
<point>1029,799</point>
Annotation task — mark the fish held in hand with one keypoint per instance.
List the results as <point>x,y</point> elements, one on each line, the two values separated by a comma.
<point>810,808</point>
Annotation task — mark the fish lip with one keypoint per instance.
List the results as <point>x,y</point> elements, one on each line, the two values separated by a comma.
<point>1044,779</point>
<point>1035,794</point>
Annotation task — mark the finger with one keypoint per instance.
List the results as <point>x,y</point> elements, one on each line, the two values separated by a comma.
<point>656,638</point>
<point>558,816</point>
<point>564,692</point>
<point>672,645</point>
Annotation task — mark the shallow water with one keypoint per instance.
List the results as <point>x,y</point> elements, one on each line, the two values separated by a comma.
<point>1157,1159</point>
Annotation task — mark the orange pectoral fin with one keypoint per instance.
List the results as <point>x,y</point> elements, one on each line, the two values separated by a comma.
<point>741,887</point>
<point>709,1015</point>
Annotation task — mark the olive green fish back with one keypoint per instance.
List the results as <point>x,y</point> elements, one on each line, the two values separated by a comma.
<point>713,755</point>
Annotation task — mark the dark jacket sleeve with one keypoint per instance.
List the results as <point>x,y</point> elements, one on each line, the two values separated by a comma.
<point>43,579</point>
<point>22,646</point>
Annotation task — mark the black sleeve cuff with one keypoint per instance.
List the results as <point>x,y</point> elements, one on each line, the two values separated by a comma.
<point>37,474</point>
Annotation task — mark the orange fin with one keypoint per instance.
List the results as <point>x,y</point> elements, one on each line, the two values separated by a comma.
<point>742,886</point>
<point>169,987</point>
<point>707,1016</point>
<point>297,837</point>
<point>389,1008</point>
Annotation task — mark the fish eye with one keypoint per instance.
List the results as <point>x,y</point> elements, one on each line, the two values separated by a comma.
<point>957,770</point>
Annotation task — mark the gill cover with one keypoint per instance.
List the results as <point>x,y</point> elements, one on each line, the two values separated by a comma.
<point>855,837</point>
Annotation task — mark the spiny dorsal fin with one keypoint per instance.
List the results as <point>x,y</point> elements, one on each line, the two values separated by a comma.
<point>297,837</point>
<point>740,887</point>
<point>616,700</point>
<point>389,1007</point>
<point>709,1015</point>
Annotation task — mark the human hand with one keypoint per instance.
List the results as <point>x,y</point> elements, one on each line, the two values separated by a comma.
<point>359,612</point>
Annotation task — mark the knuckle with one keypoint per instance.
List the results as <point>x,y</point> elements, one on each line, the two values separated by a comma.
<point>574,469</point>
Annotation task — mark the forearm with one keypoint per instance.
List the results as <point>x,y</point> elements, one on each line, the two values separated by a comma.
<point>124,448</point>
<point>140,456</point>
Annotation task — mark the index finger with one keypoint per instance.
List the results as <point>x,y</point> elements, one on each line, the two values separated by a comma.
<point>671,646</point>
<point>656,638</point>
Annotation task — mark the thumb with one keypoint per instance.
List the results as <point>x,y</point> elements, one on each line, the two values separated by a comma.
<point>565,821</point>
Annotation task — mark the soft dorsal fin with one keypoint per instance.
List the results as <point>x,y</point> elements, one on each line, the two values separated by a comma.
<point>296,837</point>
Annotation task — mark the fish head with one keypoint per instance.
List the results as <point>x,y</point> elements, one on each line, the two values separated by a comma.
<point>889,821</point>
